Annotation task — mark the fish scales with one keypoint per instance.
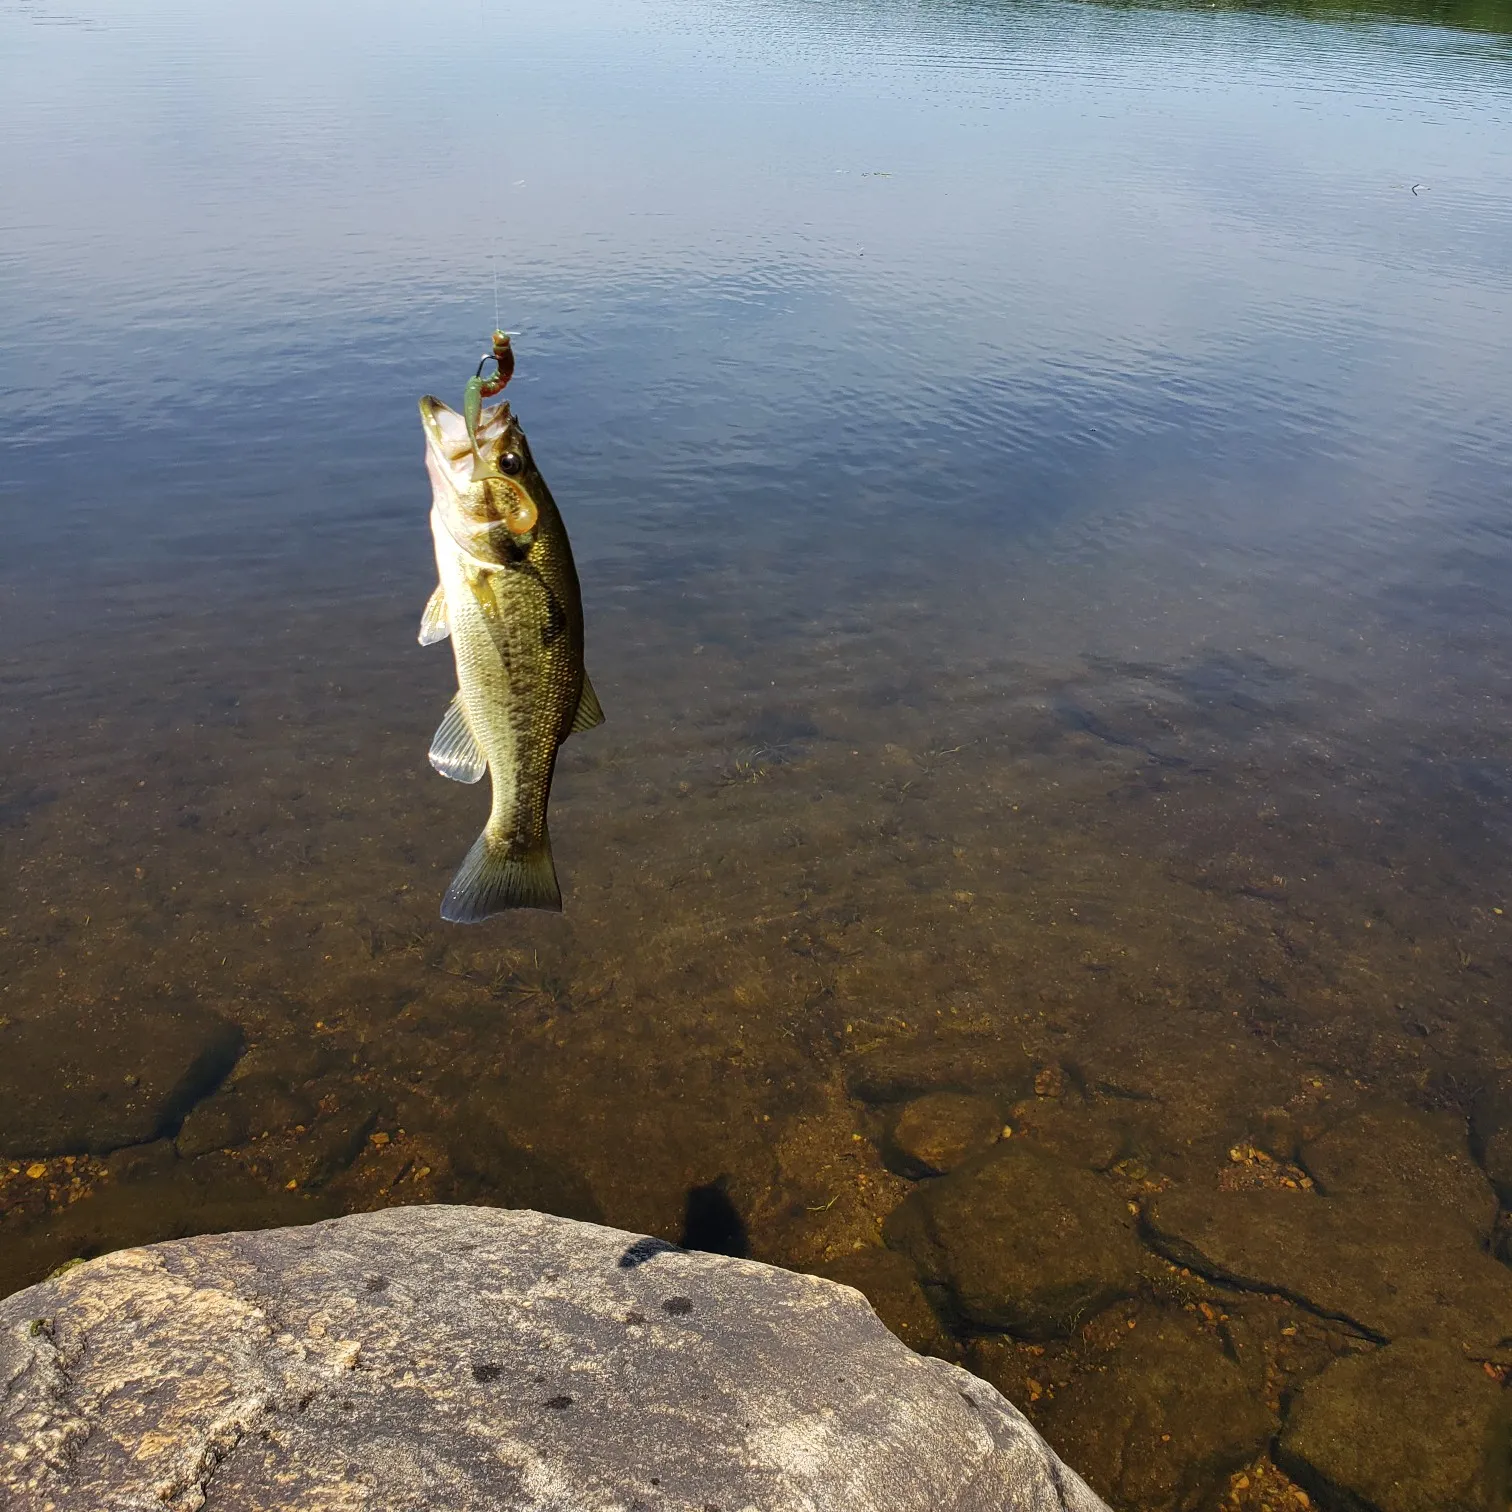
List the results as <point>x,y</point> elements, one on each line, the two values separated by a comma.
<point>509,599</point>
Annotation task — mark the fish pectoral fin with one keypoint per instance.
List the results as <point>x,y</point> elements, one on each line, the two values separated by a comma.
<point>434,624</point>
<point>455,752</point>
<point>589,713</point>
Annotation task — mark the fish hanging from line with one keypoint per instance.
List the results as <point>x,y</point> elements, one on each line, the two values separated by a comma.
<point>508,598</point>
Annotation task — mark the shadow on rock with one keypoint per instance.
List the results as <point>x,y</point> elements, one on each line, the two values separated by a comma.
<point>712,1223</point>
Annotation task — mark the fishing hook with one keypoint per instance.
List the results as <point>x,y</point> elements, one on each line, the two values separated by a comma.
<point>480,388</point>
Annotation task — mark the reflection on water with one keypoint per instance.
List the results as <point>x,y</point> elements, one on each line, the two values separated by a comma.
<point>1039,483</point>
<point>1476,15</point>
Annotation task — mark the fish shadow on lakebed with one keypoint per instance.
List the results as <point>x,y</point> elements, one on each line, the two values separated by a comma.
<point>712,1223</point>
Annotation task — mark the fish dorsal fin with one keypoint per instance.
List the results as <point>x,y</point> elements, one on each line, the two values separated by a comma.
<point>434,625</point>
<point>588,713</point>
<point>455,752</point>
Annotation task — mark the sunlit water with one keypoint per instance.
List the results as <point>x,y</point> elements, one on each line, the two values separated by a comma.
<point>1039,479</point>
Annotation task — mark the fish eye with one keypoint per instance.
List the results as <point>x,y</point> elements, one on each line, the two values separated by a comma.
<point>510,464</point>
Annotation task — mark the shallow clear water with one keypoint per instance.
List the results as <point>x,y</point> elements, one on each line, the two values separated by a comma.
<point>1039,479</point>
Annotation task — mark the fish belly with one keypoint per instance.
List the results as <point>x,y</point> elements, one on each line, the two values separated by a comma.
<point>500,678</point>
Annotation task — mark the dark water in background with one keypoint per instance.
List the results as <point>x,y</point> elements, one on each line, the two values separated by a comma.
<point>1039,475</point>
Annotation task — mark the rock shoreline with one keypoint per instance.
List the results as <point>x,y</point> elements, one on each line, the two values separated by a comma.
<point>1190,1320</point>
<point>473,1358</point>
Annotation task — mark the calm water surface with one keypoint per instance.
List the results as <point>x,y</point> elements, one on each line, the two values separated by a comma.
<point>1039,475</point>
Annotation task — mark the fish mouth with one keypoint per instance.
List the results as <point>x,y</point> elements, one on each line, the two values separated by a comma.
<point>446,435</point>
<point>452,448</point>
<point>484,495</point>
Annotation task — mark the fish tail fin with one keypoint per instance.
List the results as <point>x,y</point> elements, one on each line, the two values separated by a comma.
<point>493,878</point>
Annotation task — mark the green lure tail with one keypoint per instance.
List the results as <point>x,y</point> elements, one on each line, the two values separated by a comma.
<point>480,388</point>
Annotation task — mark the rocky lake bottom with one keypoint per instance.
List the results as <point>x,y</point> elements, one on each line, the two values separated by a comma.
<point>1122,1031</point>
<point>1037,473</point>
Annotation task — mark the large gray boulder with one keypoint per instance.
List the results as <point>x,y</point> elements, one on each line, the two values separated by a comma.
<point>473,1358</point>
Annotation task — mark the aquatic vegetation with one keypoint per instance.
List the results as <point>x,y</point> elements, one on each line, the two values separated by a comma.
<point>752,764</point>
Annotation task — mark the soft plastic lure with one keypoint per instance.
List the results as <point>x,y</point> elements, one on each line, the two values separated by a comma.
<point>508,600</point>
<point>480,388</point>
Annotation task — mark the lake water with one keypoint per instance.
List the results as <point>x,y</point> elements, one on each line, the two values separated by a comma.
<point>1039,477</point>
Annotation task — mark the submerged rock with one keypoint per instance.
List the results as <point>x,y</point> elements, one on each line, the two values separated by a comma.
<point>151,1195</point>
<point>1086,1134</point>
<point>111,1077</point>
<point>497,1169</point>
<point>1387,1269</point>
<point>1491,1126</point>
<point>941,1130</point>
<point>143,1165</point>
<point>218,1123</point>
<point>272,1101</point>
<point>1414,1427</point>
<point>1164,1422</point>
<point>1021,1241</point>
<point>1191,1087</point>
<point>890,1283</point>
<point>473,1358</point>
<point>1393,1152</point>
<point>332,1144</point>
<point>911,1067</point>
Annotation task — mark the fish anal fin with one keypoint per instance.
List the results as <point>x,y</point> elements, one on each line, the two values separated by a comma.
<point>434,624</point>
<point>589,713</point>
<point>493,879</point>
<point>455,752</point>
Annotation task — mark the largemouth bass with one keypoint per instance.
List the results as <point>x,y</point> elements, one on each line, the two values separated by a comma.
<point>508,598</point>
